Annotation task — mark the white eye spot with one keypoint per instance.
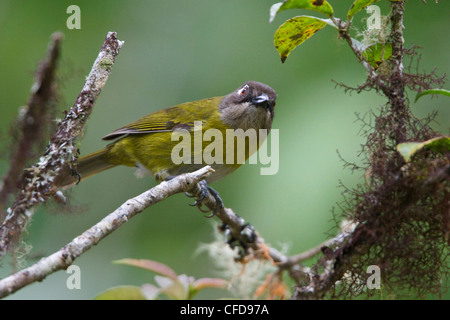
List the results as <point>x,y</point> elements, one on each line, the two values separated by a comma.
<point>243,90</point>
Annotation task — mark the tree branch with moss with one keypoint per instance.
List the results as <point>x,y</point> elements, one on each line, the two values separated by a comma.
<point>402,212</point>
<point>32,122</point>
<point>37,181</point>
<point>38,184</point>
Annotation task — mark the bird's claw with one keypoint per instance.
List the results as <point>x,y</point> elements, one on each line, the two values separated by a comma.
<point>203,194</point>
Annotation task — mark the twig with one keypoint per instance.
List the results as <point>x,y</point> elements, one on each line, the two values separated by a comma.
<point>61,150</point>
<point>308,254</point>
<point>335,263</point>
<point>236,227</point>
<point>66,255</point>
<point>31,121</point>
<point>242,234</point>
<point>239,232</point>
<point>397,97</point>
<point>37,181</point>
<point>373,77</point>
<point>394,87</point>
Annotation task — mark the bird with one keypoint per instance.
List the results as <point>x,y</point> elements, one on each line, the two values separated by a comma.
<point>172,141</point>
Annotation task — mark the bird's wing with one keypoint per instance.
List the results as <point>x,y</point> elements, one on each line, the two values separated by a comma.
<point>169,119</point>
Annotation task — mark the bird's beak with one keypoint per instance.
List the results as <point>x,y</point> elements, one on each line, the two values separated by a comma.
<point>261,99</point>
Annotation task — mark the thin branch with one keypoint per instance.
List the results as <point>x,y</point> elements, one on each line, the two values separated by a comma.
<point>235,226</point>
<point>242,234</point>
<point>397,44</point>
<point>63,258</point>
<point>373,77</point>
<point>397,97</point>
<point>34,117</point>
<point>61,150</point>
<point>397,193</point>
<point>239,232</point>
<point>308,254</point>
<point>38,180</point>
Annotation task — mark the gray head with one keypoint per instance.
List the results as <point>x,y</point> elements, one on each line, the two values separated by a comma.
<point>249,106</point>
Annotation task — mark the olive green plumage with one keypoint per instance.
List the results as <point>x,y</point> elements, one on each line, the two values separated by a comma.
<point>147,143</point>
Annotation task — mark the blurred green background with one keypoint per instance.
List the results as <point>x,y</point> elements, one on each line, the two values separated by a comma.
<point>178,51</point>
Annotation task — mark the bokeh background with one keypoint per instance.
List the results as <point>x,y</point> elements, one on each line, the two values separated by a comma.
<point>178,51</point>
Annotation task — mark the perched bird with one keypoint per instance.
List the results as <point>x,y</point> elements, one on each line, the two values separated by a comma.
<point>177,140</point>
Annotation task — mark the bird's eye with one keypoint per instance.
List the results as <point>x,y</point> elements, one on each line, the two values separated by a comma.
<point>243,91</point>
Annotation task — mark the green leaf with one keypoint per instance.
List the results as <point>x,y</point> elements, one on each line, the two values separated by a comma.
<point>408,149</point>
<point>433,91</point>
<point>294,32</point>
<point>150,265</point>
<point>357,6</point>
<point>377,54</point>
<point>121,293</point>
<point>317,5</point>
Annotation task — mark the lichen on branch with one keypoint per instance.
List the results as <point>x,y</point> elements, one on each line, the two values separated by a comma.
<point>37,181</point>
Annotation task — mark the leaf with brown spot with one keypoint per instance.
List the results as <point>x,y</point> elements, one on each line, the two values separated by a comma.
<point>294,32</point>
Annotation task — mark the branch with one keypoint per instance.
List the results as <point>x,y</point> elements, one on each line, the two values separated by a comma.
<point>233,225</point>
<point>243,235</point>
<point>38,180</point>
<point>66,255</point>
<point>343,29</point>
<point>240,233</point>
<point>393,87</point>
<point>308,254</point>
<point>397,97</point>
<point>33,118</point>
<point>38,188</point>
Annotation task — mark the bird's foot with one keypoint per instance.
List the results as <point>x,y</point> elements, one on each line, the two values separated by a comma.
<point>204,190</point>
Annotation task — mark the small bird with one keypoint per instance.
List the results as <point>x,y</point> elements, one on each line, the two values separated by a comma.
<point>149,142</point>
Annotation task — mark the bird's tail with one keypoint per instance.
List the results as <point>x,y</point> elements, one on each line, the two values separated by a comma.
<point>87,166</point>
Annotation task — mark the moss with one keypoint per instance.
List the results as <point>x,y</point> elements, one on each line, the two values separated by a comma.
<point>106,63</point>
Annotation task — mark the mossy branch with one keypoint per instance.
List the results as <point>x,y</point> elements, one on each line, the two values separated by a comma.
<point>32,121</point>
<point>401,214</point>
<point>37,186</point>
